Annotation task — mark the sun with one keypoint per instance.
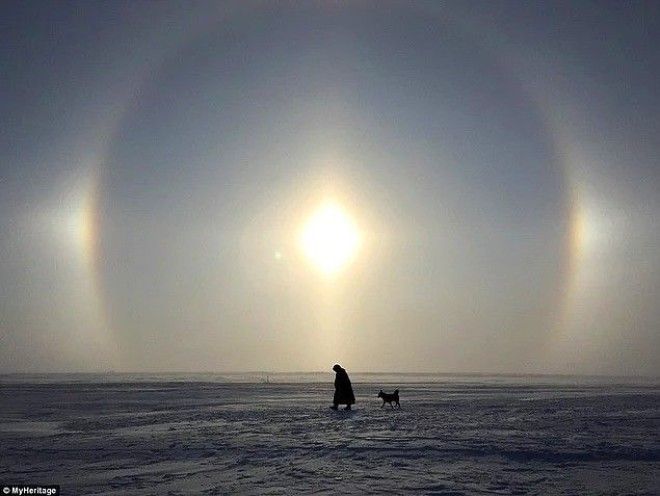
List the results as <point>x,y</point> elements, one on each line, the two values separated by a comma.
<point>330,239</point>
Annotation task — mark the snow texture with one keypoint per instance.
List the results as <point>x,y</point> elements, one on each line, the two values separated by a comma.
<point>206,434</point>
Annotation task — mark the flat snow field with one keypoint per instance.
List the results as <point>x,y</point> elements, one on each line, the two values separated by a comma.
<point>196,435</point>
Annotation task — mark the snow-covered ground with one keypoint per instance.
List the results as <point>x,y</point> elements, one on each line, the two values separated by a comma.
<point>115,434</point>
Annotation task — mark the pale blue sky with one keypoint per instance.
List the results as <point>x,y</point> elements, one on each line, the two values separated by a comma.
<point>498,158</point>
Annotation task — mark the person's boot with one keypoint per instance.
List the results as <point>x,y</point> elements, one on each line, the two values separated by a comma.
<point>348,407</point>
<point>333,407</point>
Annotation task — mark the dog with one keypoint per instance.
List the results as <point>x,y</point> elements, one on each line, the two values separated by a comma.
<point>390,398</point>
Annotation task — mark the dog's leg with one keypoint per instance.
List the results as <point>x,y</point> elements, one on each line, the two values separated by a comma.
<point>392,405</point>
<point>383,404</point>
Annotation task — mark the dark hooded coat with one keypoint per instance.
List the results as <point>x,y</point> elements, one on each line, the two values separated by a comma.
<point>343,388</point>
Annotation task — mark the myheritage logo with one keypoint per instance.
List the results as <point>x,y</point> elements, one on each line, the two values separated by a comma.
<point>30,489</point>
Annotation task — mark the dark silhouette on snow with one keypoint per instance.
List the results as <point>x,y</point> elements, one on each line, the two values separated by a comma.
<point>343,389</point>
<point>389,398</point>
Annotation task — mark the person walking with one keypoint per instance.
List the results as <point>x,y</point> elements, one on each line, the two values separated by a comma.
<point>343,389</point>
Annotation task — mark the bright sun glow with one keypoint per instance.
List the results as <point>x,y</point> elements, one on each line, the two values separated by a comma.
<point>330,239</point>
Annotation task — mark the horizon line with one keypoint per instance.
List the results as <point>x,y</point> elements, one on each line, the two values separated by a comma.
<point>311,372</point>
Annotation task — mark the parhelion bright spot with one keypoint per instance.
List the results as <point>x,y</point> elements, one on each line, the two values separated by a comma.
<point>330,239</point>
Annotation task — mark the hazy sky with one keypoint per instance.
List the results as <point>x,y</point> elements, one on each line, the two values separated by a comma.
<point>499,161</point>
